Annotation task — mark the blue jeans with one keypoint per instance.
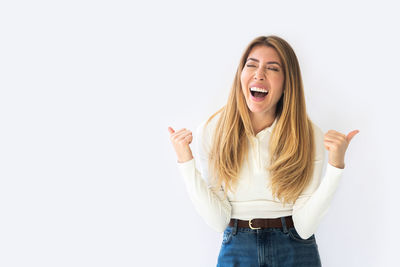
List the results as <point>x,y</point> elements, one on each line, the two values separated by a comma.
<point>272,247</point>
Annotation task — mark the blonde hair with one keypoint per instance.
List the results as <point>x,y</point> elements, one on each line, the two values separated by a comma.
<point>292,140</point>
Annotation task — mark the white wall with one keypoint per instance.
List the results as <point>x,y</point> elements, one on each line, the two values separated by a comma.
<point>88,175</point>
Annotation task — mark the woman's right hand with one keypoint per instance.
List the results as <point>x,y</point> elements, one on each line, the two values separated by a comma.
<point>180,141</point>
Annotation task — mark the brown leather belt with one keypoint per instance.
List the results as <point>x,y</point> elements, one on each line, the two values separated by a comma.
<point>263,223</point>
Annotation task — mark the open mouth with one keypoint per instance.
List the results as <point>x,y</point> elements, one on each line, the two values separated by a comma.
<point>258,94</point>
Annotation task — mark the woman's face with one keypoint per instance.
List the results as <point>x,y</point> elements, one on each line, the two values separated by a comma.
<point>263,69</point>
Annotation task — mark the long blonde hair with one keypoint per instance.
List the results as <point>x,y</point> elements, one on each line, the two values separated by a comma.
<point>292,140</point>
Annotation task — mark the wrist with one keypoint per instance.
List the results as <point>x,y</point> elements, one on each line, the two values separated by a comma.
<point>336,165</point>
<point>185,159</point>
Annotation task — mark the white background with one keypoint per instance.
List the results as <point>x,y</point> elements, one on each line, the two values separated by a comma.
<point>88,175</point>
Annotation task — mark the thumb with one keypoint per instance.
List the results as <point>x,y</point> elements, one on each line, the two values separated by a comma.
<point>170,130</point>
<point>351,135</point>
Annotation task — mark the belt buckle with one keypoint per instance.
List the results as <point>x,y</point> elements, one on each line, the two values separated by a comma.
<point>254,228</point>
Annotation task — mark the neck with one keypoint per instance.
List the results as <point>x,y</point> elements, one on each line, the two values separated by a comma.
<point>261,121</point>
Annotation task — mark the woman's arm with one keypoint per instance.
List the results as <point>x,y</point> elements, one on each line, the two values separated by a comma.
<point>212,207</point>
<point>314,202</point>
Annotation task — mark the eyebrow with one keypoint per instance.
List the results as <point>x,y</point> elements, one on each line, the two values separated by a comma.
<point>269,62</point>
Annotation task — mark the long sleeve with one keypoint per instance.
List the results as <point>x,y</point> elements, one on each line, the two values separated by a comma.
<point>212,207</point>
<point>314,202</point>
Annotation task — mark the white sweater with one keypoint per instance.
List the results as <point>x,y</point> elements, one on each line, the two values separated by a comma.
<point>253,199</point>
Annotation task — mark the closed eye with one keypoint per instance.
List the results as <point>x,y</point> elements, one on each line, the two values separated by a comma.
<point>270,68</point>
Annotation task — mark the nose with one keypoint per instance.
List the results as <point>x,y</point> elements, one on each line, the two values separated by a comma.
<point>259,75</point>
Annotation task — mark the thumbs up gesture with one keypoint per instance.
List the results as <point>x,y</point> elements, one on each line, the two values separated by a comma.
<point>336,143</point>
<point>180,141</point>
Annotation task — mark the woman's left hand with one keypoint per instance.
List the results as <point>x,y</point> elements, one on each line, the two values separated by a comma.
<point>336,143</point>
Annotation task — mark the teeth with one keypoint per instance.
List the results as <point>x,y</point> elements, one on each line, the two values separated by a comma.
<point>256,89</point>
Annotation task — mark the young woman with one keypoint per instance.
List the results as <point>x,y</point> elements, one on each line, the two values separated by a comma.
<point>265,157</point>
